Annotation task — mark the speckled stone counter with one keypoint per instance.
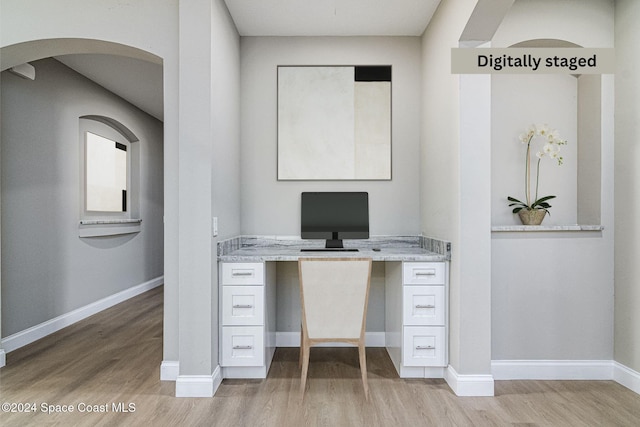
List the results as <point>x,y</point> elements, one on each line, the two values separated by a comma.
<point>391,248</point>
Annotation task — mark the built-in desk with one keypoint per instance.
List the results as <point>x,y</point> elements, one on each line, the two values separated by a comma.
<point>416,300</point>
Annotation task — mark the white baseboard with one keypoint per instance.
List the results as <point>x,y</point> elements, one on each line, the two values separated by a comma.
<point>469,385</point>
<point>292,339</point>
<point>217,378</point>
<point>169,370</point>
<point>552,369</point>
<point>20,339</point>
<point>3,358</point>
<point>198,385</point>
<point>607,370</point>
<point>627,377</point>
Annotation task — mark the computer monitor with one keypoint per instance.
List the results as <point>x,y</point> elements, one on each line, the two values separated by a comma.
<point>334,216</point>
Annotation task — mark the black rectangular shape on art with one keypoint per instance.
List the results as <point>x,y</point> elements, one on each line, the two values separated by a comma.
<point>373,73</point>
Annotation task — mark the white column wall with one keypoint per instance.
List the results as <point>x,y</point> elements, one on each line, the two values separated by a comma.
<point>194,184</point>
<point>475,224</point>
<point>454,170</point>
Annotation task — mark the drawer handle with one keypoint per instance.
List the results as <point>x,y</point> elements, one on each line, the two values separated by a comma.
<point>242,347</point>
<point>430,272</point>
<point>425,306</point>
<point>243,306</point>
<point>242,273</point>
<point>425,347</point>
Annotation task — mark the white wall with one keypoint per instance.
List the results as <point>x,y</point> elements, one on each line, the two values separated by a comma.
<point>271,207</point>
<point>47,269</point>
<point>627,176</point>
<point>552,293</point>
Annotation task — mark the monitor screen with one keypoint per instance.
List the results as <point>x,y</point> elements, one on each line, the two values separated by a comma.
<point>335,216</point>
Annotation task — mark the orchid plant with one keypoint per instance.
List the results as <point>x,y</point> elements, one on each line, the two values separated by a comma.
<point>550,149</point>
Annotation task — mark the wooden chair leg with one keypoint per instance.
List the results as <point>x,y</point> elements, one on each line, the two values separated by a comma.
<point>363,369</point>
<point>304,351</point>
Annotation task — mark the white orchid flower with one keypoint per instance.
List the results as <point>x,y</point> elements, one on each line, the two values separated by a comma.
<point>551,148</point>
<point>543,130</point>
<point>553,136</point>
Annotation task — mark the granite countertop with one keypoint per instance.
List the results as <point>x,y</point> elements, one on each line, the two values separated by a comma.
<point>274,249</point>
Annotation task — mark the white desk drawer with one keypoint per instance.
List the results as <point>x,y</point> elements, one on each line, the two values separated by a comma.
<point>243,305</point>
<point>423,305</point>
<point>242,346</point>
<point>235,273</point>
<point>423,346</point>
<point>423,273</point>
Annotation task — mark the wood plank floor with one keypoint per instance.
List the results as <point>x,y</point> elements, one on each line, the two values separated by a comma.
<point>114,358</point>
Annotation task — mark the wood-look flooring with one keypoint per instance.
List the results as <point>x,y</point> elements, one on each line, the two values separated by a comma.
<point>114,358</point>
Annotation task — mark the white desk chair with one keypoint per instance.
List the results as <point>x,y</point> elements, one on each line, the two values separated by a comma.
<point>333,293</point>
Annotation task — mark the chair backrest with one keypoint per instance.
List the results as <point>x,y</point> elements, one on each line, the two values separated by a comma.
<point>334,294</point>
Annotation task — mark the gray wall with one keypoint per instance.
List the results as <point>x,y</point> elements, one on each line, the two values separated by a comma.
<point>627,195</point>
<point>271,207</point>
<point>47,269</point>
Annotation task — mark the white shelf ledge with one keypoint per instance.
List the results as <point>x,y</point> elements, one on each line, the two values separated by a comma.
<point>108,227</point>
<point>534,228</point>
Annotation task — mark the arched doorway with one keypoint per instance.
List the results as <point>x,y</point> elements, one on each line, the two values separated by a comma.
<point>38,50</point>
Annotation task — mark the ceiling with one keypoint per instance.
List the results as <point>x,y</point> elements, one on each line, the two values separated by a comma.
<point>140,82</point>
<point>331,17</point>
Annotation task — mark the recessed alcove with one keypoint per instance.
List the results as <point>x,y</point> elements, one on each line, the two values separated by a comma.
<point>99,222</point>
<point>571,104</point>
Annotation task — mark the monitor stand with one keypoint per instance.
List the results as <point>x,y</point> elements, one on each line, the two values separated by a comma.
<point>334,242</point>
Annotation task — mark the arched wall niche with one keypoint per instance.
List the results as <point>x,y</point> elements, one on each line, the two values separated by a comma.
<point>572,105</point>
